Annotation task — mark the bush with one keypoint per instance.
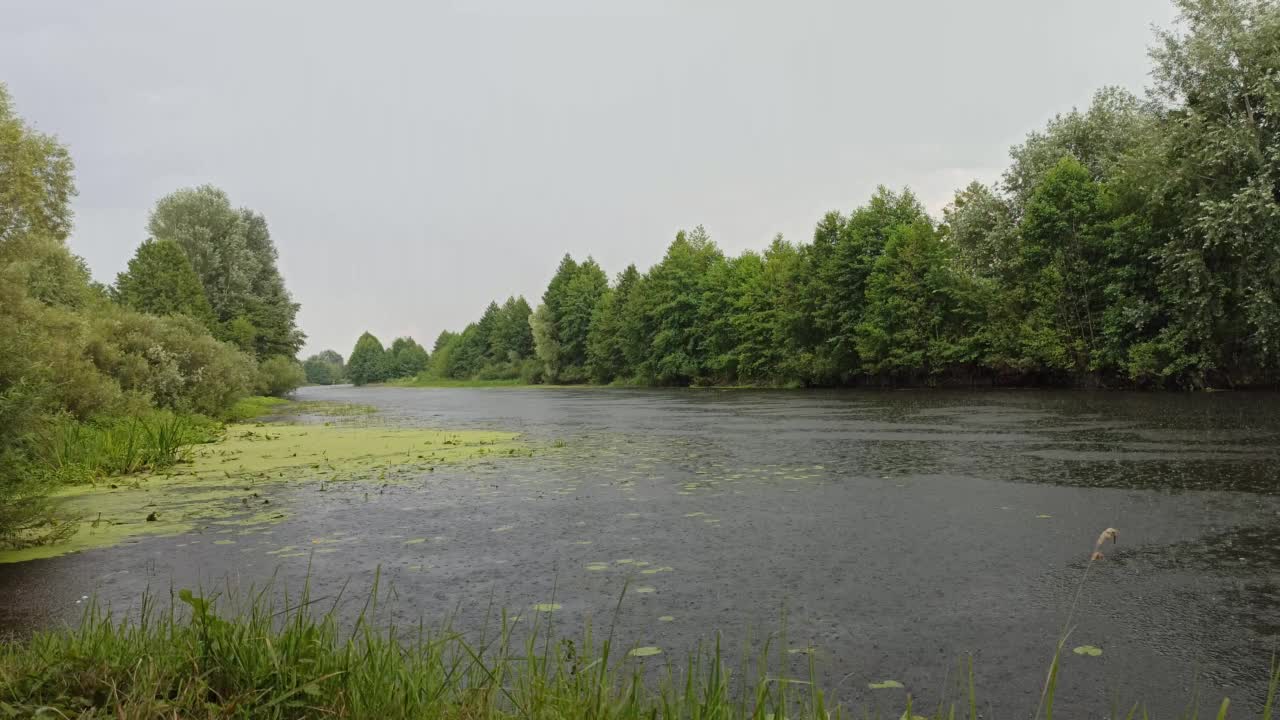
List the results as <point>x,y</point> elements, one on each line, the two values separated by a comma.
<point>173,362</point>
<point>278,376</point>
<point>532,371</point>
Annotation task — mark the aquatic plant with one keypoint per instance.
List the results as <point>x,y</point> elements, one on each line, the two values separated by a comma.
<point>276,656</point>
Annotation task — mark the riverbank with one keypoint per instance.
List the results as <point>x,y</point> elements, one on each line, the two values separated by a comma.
<point>243,482</point>
<point>280,659</point>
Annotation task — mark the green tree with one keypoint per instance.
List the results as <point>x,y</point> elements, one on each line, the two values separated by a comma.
<point>278,376</point>
<point>161,281</point>
<point>36,184</point>
<point>512,338</point>
<point>368,362</point>
<point>606,340</point>
<point>918,314</point>
<point>1062,269</point>
<point>1214,200</point>
<point>232,252</point>
<point>561,325</point>
<point>406,357</point>
<point>324,368</point>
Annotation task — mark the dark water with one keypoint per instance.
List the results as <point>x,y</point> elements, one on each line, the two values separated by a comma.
<point>896,531</point>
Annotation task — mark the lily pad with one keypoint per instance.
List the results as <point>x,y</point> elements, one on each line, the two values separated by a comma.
<point>546,607</point>
<point>884,685</point>
<point>1089,650</point>
<point>647,651</point>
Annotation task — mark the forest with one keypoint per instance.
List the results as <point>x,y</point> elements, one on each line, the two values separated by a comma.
<point>1133,243</point>
<point>98,381</point>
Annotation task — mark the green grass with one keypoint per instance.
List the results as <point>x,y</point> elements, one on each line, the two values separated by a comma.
<point>291,658</point>
<point>74,450</point>
<point>254,406</point>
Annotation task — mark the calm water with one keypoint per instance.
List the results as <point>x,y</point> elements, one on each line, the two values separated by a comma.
<point>897,532</point>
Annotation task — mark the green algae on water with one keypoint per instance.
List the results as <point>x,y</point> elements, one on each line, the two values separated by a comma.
<point>231,482</point>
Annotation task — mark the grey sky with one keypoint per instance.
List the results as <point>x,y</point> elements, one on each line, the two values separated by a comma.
<point>417,159</point>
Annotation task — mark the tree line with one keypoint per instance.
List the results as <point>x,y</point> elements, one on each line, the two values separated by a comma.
<point>88,374</point>
<point>1133,243</point>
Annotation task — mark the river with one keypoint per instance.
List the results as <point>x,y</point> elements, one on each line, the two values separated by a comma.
<point>891,534</point>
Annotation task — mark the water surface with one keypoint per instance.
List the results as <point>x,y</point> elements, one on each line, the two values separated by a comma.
<point>896,532</point>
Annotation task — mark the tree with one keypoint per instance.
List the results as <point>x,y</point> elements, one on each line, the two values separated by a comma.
<point>36,184</point>
<point>368,362</point>
<point>232,252</point>
<point>324,368</point>
<point>560,331</point>
<point>844,255</point>
<point>1062,269</point>
<point>161,281</point>
<point>1214,198</point>
<point>606,340</point>
<point>917,315</point>
<point>278,376</point>
<point>406,358</point>
<point>512,338</point>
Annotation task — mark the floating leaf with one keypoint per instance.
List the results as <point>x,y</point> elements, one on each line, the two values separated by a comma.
<point>884,685</point>
<point>645,590</point>
<point>801,651</point>
<point>224,542</point>
<point>596,566</point>
<point>546,607</point>
<point>415,541</point>
<point>647,651</point>
<point>1042,516</point>
<point>666,618</point>
<point>1089,650</point>
<point>504,528</point>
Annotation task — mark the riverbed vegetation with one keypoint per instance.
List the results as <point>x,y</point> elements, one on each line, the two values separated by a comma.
<point>282,657</point>
<point>102,381</point>
<point>1129,243</point>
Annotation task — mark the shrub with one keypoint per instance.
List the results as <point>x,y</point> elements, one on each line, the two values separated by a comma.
<point>172,361</point>
<point>278,376</point>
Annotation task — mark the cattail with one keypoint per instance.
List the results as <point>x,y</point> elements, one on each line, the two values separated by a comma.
<point>1108,534</point>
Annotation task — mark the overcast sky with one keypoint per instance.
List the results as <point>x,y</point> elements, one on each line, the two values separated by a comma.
<point>418,159</point>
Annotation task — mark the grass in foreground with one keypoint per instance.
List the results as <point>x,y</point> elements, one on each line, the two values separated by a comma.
<point>284,659</point>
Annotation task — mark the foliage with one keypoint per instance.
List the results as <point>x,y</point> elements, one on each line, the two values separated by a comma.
<point>88,386</point>
<point>253,406</point>
<point>406,358</point>
<point>279,658</point>
<point>278,376</point>
<point>161,281</point>
<point>232,253</point>
<point>75,450</point>
<point>172,362</point>
<point>368,362</point>
<point>325,368</point>
<point>1129,243</point>
<point>561,324</point>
